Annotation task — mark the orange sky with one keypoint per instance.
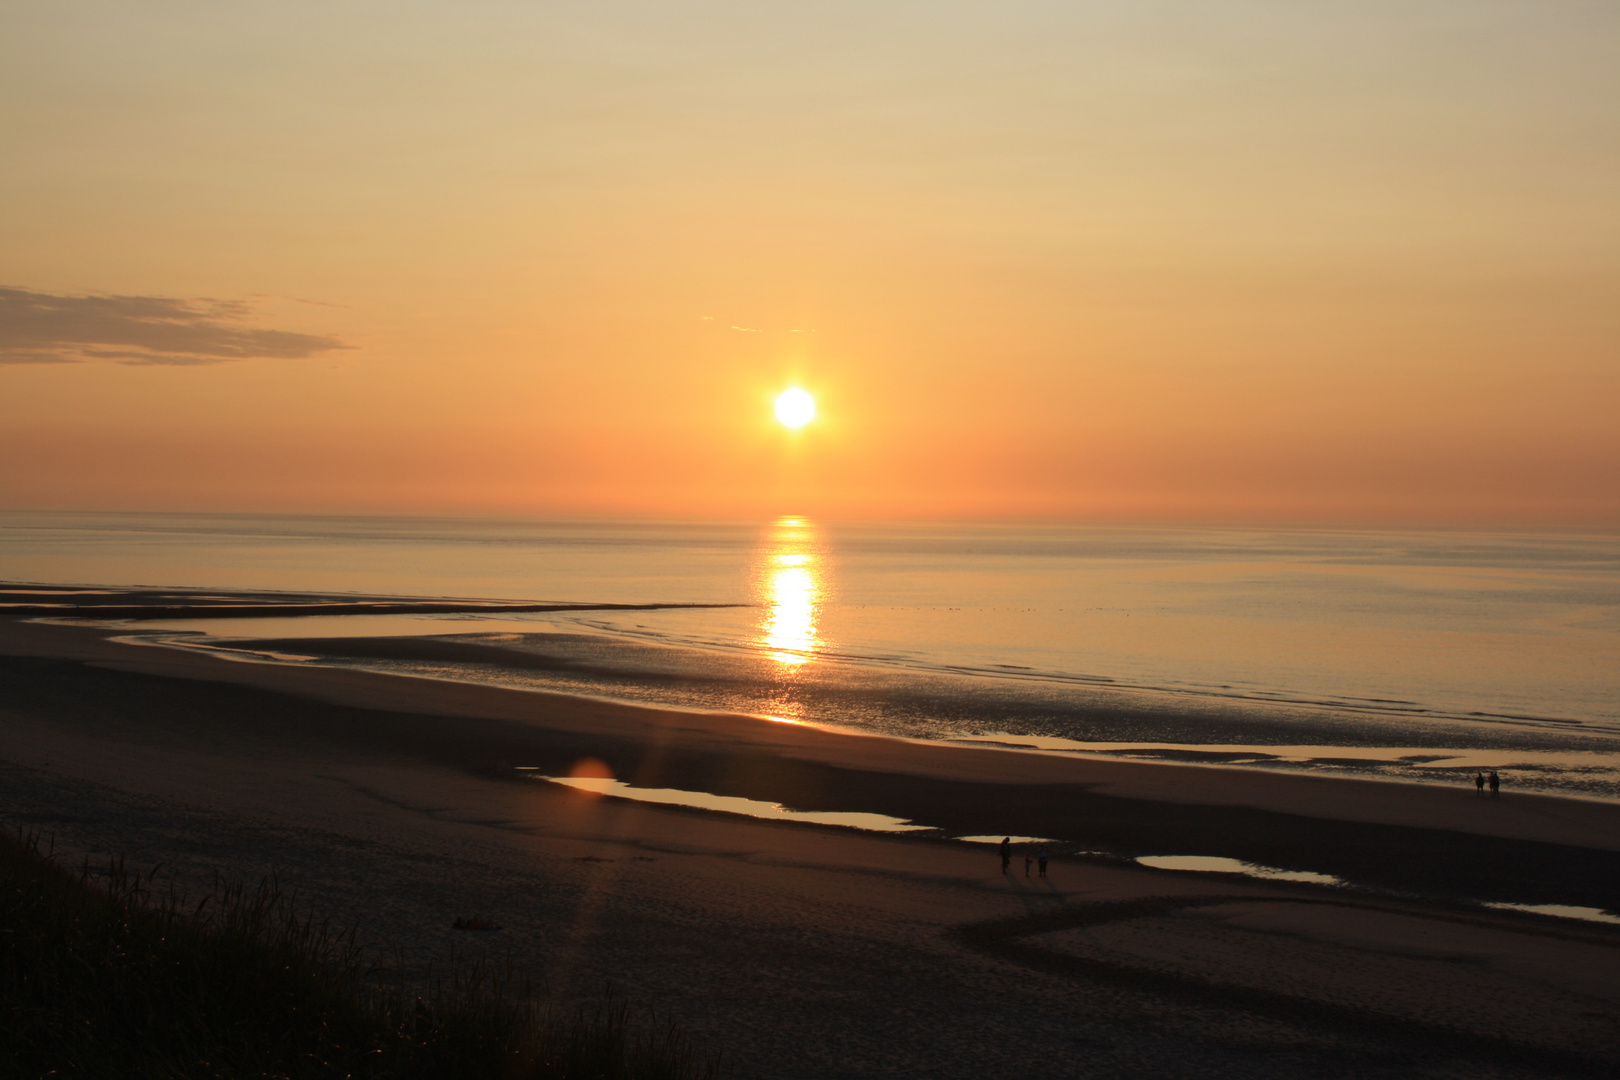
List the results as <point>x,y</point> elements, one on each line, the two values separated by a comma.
<point>1350,262</point>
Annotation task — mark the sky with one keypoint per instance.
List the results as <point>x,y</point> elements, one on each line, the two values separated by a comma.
<point>1350,263</point>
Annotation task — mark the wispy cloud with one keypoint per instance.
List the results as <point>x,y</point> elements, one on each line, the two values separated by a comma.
<point>38,328</point>
<point>748,329</point>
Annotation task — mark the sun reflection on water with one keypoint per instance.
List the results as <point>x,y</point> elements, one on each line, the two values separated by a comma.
<point>791,588</point>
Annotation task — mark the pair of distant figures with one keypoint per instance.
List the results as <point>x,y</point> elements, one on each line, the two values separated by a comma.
<point>1480,781</point>
<point>1038,857</point>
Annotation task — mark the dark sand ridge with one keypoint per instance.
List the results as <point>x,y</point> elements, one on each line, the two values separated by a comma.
<point>140,605</point>
<point>822,952</point>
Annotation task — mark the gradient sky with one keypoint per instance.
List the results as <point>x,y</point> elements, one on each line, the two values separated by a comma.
<point>1281,261</point>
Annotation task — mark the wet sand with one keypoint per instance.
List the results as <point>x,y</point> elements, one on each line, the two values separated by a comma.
<point>808,951</point>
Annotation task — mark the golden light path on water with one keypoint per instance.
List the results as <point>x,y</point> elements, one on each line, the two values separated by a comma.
<point>791,588</point>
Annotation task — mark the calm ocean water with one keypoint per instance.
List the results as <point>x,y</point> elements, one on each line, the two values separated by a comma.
<point>1419,656</point>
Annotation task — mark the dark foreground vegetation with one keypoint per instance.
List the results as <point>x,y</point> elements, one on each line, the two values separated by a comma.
<point>114,978</point>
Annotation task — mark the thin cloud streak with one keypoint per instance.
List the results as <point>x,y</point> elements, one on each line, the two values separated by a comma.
<point>39,328</point>
<point>26,356</point>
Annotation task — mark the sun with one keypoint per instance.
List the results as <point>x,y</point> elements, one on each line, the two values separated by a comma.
<point>795,407</point>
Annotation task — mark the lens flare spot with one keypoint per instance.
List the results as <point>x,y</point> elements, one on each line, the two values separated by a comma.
<point>590,768</point>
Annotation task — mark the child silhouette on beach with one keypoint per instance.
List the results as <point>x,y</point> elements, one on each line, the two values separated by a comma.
<point>1006,851</point>
<point>1028,858</point>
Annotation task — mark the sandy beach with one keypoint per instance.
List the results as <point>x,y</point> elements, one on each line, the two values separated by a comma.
<point>815,951</point>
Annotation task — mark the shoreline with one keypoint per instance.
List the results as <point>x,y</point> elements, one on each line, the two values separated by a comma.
<point>1205,701</point>
<point>279,650</point>
<point>1121,721</point>
<point>1534,817</point>
<point>243,651</point>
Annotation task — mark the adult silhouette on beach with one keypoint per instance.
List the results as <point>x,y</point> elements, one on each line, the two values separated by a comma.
<point>1496,783</point>
<point>1479,783</point>
<point>1041,857</point>
<point>1006,852</point>
<point>1029,857</point>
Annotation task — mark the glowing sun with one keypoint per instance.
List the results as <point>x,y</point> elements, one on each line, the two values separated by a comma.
<point>795,407</point>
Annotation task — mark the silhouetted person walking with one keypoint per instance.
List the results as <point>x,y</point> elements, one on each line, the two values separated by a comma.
<point>1006,851</point>
<point>1028,858</point>
<point>1496,783</point>
<point>1042,858</point>
<point>1479,783</point>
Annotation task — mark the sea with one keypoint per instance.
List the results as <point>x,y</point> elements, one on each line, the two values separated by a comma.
<point>1402,655</point>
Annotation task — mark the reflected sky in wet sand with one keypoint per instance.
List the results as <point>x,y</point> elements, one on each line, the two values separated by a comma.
<point>1214,864</point>
<point>731,804</point>
<point>1561,911</point>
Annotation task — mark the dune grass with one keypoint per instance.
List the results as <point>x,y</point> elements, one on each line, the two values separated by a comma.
<point>111,977</point>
